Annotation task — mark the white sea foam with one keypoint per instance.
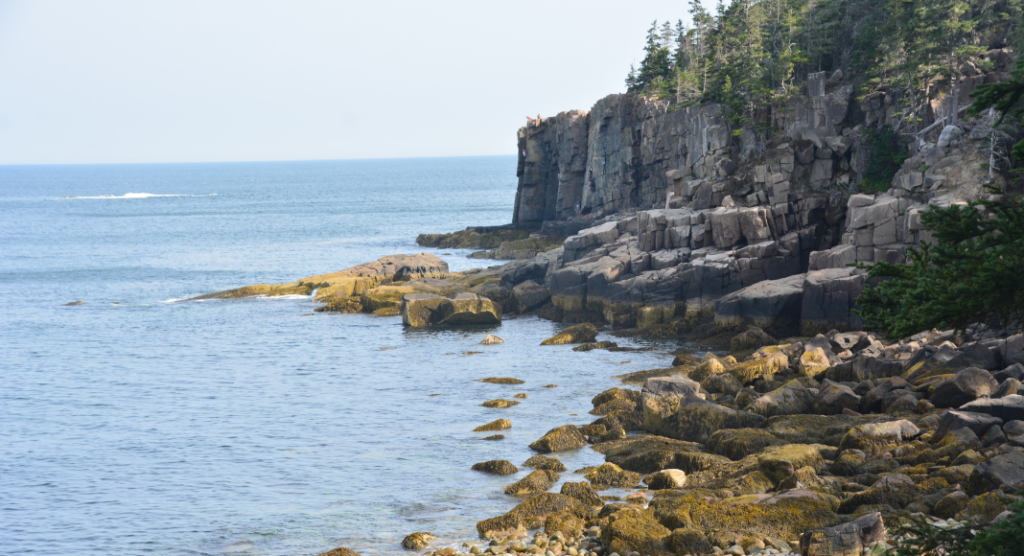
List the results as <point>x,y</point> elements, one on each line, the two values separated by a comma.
<point>135,196</point>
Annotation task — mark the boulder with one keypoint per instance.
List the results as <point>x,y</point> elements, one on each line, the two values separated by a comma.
<point>1005,470</point>
<point>635,530</point>
<point>666,478</point>
<point>849,539</point>
<point>340,551</point>
<point>771,304</point>
<point>689,541</point>
<point>829,297</point>
<point>833,398</point>
<point>490,340</point>
<point>894,489</point>
<point>813,362</point>
<point>544,462</point>
<point>528,296</point>
<point>949,134</point>
<point>498,425</point>
<point>697,419</point>
<point>610,475</point>
<point>789,399</point>
<point>496,467</point>
<point>566,437</point>
<point>539,506</point>
<point>965,386</point>
<point>583,492</point>
<point>872,400</point>
<point>669,386</point>
<point>779,462</point>
<point>977,422</point>
<point>737,444</point>
<point>951,504</point>
<point>1014,350</point>
<point>421,310</point>
<point>1009,408</point>
<point>1008,387</point>
<point>578,334</point>
<point>417,541</point>
<point>873,438</point>
<point>752,339</point>
<point>536,482</point>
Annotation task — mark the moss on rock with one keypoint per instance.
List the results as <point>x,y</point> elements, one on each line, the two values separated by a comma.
<point>537,507</point>
<point>496,467</point>
<point>611,475</point>
<point>578,334</point>
<point>499,403</point>
<point>633,530</point>
<point>502,380</point>
<point>737,444</point>
<point>566,437</point>
<point>544,462</point>
<point>499,425</point>
<point>536,482</point>
<point>583,492</point>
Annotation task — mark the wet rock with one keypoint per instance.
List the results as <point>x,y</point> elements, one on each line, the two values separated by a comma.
<point>578,334</point>
<point>689,541</point>
<point>635,531</point>
<point>502,380</point>
<point>611,475</point>
<point>566,437</point>
<point>1005,470</point>
<point>499,425</point>
<point>417,541</point>
<point>542,505</point>
<point>598,345</point>
<point>583,492</point>
<point>496,467</point>
<point>499,404</point>
<point>965,386</point>
<point>544,462</point>
<point>341,551</point>
<point>491,339</point>
<point>494,437</point>
<point>853,538</point>
<point>535,482</point>
<point>737,444</point>
<point>666,478</point>
<point>421,310</point>
<point>564,522</point>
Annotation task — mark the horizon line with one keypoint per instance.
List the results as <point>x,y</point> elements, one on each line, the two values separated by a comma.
<point>2,165</point>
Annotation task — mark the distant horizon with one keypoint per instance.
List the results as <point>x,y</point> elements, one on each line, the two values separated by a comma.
<point>3,165</point>
<point>120,82</point>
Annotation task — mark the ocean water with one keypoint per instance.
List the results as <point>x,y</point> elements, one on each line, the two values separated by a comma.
<point>136,423</point>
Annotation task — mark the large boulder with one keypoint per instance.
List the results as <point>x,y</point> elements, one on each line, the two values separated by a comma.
<point>737,444</point>
<point>535,482</point>
<point>697,419</point>
<point>965,386</point>
<point>789,399</point>
<point>849,539</point>
<point>566,437</point>
<point>635,530</point>
<point>1008,408</point>
<point>873,438</point>
<point>496,467</point>
<point>773,304</point>
<point>833,398</point>
<point>1002,471</point>
<point>829,299</point>
<point>420,310</point>
<point>539,506</point>
<point>977,422</point>
<point>529,295</point>
<point>666,478</point>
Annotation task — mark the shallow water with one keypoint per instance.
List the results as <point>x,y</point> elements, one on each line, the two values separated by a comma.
<point>134,424</point>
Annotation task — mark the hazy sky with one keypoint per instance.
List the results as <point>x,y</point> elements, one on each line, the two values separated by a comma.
<point>181,80</point>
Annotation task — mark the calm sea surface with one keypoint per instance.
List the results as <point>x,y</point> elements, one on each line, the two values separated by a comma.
<point>136,424</point>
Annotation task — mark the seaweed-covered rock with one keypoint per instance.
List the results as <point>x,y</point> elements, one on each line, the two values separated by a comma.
<point>765,363</point>
<point>779,462</point>
<point>821,429</point>
<point>697,419</point>
<point>340,551</point>
<point>564,522</point>
<point>544,462</point>
<point>737,444</point>
<point>502,380</point>
<point>426,309</point>
<point>853,538</point>
<point>611,475</point>
<point>666,478</point>
<point>577,334</point>
<point>789,399</point>
<point>417,541</point>
<point>750,340</point>
<point>689,541</point>
<point>951,504</point>
<point>724,383</point>
<point>785,515</point>
<point>539,506</point>
<point>583,492</point>
<point>984,508</point>
<point>874,437</point>
<point>593,346</point>
<point>813,362</point>
<point>965,386</point>
<point>709,365</point>
<point>537,481</point>
<point>499,404</point>
<point>1002,471</point>
<point>499,425</point>
<point>631,530</point>
<point>496,467</point>
<point>566,437</point>
<point>894,489</point>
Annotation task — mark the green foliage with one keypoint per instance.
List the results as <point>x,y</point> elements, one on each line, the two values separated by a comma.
<point>1000,539</point>
<point>887,155</point>
<point>974,272</point>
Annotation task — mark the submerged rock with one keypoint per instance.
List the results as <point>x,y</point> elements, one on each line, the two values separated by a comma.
<point>496,467</point>
<point>498,425</point>
<point>578,334</point>
<point>502,380</point>
<point>340,551</point>
<point>491,339</point>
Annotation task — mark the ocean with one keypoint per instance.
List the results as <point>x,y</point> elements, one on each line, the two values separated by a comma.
<point>139,423</point>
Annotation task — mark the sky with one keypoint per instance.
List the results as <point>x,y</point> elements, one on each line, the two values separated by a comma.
<point>243,80</point>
